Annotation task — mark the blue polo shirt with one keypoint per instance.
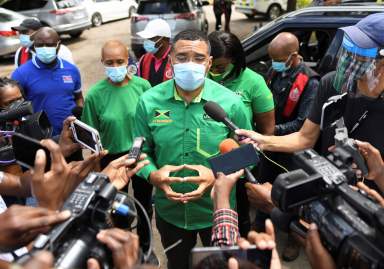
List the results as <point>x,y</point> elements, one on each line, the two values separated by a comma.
<point>51,89</point>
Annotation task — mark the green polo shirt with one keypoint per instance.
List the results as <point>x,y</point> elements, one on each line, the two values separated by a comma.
<point>253,91</point>
<point>179,133</point>
<point>111,110</point>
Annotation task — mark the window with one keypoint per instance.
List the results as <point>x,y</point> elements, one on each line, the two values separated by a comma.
<point>163,7</point>
<point>61,4</point>
<point>20,5</point>
<point>4,17</point>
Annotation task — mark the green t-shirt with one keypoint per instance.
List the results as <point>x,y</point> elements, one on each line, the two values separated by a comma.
<point>111,110</point>
<point>177,133</point>
<point>253,91</point>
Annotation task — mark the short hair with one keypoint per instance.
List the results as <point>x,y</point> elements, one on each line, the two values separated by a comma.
<point>192,35</point>
<point>228,45</point>
<point>4,82</point>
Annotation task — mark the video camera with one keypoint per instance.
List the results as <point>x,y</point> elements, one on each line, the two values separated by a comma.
<point>351,225</point>
<point>94,205</point>
<point>19,117</point>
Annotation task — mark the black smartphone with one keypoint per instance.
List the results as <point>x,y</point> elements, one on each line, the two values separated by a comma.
<point>24,149</point>
<point>235,160</point>
<point>135,151</point>
<point>260,258</point>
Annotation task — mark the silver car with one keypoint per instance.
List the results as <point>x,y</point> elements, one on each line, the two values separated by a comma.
<point>180,15</point>
<point>9,39</point>
<point>65,16</point>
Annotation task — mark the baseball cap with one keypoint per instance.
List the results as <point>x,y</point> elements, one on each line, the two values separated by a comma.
<point>367,33</point>
<point>28,24</point>
<point>157,27</point>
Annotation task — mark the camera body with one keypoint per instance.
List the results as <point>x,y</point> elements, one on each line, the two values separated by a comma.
<point>350,223</point>
<point>19,117</point>
<point>94,205</point>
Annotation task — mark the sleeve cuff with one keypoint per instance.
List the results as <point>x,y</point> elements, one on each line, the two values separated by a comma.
<point>147,170</point>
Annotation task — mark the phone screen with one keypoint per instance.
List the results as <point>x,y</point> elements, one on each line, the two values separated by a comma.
<point>24,149</point>
<point>85,136</point>
<point>216,255</point>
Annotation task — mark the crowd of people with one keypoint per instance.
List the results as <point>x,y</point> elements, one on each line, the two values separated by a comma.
<point>164,103</point>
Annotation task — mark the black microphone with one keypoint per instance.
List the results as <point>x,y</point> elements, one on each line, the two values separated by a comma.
<point>287,222</point>
<point>216,112</point>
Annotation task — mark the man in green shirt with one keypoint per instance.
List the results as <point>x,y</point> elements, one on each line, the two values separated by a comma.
<point>180,137</point>
<point>110,107</point>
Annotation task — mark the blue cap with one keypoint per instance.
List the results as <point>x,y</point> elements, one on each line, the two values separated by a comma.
<point>367,33</point>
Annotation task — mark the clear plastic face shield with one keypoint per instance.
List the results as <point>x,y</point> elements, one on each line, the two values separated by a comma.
<point>356,64</point>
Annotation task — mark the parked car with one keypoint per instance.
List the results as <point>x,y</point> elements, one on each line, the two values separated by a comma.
<point>270,8</point>
<point>317,31</point>
<point>101,11</point>
<point>9,39</point>
<point>180,15</point>
<point>65,16</point>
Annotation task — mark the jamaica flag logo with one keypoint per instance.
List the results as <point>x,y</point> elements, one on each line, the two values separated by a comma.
<point>162,116</point>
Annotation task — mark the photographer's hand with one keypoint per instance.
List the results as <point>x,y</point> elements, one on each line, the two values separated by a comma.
<point>119,172</point>
<point>220,193</point>
<point>53,187</point>
<point>371,192</point>
<point>205,180</point>
<point>252,137</point>
<point>161,179</point>
<point>259,196</point>
<point>318,256</point>
<point>124,246</point>
<point>19,225</point>
<point>66,143</point>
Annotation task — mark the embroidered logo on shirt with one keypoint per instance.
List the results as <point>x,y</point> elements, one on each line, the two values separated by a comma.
<point>206,117</point>
<point>67,79</point>
<point>294,95</point>
<point>162,116</point>
<point>239,93</point>
<point>169,74</point>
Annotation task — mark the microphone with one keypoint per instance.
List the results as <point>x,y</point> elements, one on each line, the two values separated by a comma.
<point>217,113</point>
<point>287,222</point>
<point>228,145</point>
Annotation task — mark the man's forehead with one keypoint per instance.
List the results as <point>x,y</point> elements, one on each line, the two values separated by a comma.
<point>114,52</point>
<point>45,37</point>
<point>196,46</point>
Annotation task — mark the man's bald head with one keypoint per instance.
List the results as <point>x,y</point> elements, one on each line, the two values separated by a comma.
<point>46,35</point>
<point>114,53</point>
<point>283,45</point>
<point>114,47</point>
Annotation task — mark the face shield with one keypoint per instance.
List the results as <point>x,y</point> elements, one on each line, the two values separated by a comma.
<point>354,63</point>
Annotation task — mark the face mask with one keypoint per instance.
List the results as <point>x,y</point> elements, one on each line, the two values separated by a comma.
<point>25,41</point>
<point>220,77</point>
<point>150,46</point>
<point>116,74</point>
<point>279,66</point>
<point>189,76</point>
<point>46,54</point>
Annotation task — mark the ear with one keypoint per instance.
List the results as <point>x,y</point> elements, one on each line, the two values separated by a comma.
<point>210,59</point>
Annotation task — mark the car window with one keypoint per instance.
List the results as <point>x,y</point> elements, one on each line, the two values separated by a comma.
<point>4,17</point>
<point>66,3</point>
<point>18,5</point>
<point>163,7</point>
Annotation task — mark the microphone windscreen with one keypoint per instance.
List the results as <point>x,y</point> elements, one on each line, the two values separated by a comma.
<point>215,111</point>
<point>227,145</point>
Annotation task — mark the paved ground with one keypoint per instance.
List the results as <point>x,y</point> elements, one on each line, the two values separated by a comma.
<point>86,53</point>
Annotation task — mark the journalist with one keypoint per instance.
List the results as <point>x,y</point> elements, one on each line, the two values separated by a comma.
<point>179,139</point>
<point>360,73</point>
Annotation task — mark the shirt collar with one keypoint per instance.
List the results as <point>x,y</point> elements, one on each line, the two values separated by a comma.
<point>40,65</point>
<point>204,94</point>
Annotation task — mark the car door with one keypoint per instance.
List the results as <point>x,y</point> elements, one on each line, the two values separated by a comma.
<point>107,9</point>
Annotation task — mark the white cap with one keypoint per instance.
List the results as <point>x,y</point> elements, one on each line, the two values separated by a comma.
<point>157,27</point>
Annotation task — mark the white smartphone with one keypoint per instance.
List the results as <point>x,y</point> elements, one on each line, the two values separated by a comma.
<point>87,136</point>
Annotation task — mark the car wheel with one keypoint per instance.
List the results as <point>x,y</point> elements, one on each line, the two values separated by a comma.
<point>96,20</point>
<point>274,11</point>
<point>132,10</point>
<point>76,34</point>
<point>205,26</point>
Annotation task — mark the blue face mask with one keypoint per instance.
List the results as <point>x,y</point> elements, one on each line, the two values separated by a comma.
<point>279,66</point>
<point>25,40</point>
<point>46,54</point>
<point>150,46</point>
<point>116,74</point>
<point>189,76</point>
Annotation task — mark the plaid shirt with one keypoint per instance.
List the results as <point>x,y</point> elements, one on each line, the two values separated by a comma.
<point>225,231</point>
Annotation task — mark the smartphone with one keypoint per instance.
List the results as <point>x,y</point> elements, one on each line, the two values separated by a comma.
<point>86,136</point>
<point>332,110</point>
<point>260,258</point>
<point>135,151</point>
<point>235,160</point>
<point>24,149</point>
